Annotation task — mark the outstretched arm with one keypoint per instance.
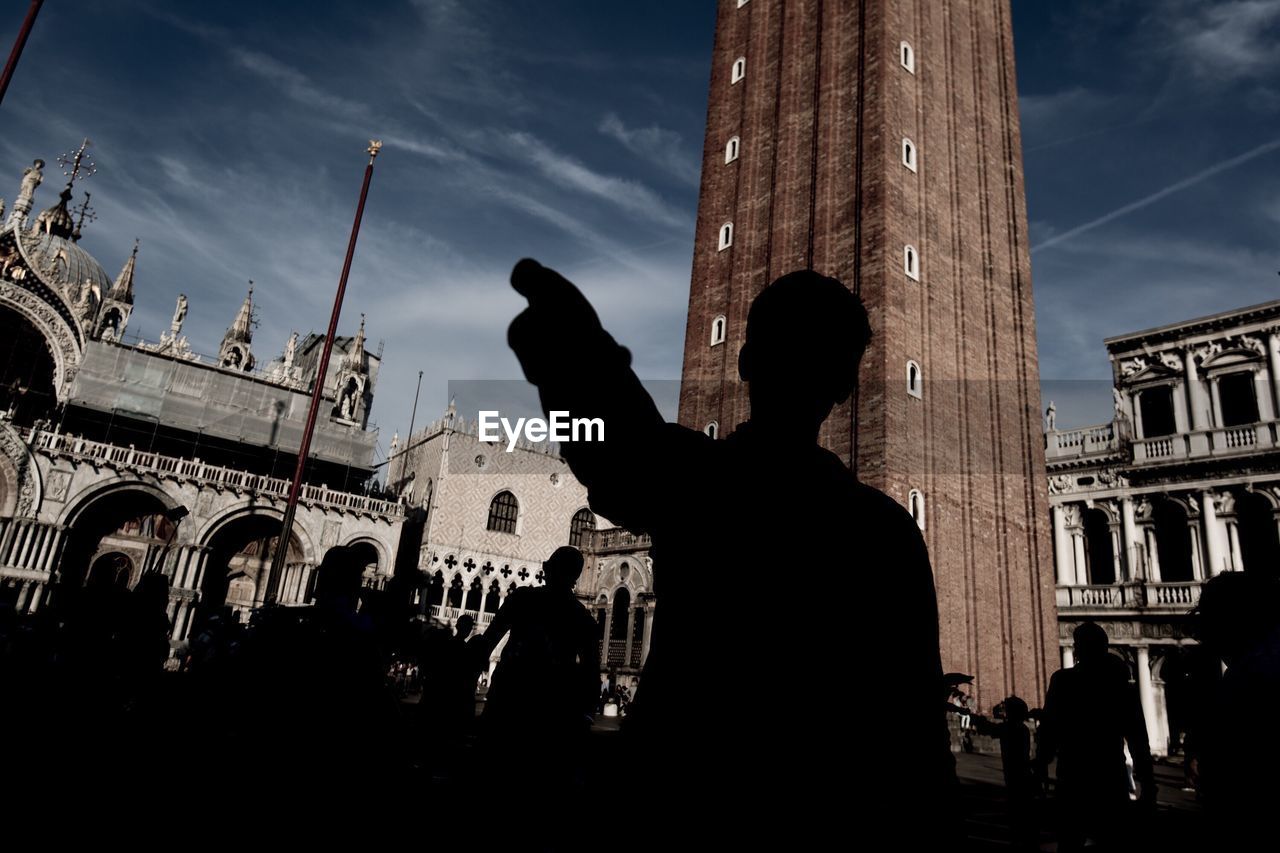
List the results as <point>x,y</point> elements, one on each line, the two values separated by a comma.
<point>580,369</point>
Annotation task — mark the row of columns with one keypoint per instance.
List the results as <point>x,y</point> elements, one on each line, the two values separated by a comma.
<point>646,633</point>
<point>31,545</point>
<point>1215,544</point>
<point>1196,407</point>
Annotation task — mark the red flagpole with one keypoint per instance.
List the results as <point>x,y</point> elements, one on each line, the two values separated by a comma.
<point>291,508</point>
<point>14,54</point>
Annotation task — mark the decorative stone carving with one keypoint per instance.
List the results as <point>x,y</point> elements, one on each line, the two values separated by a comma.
<point>59,482</point>
<point>1131,366</point>
<point>1112,479</point>
<point>1142,508</point>
<point>1171,359</point>
<point>19,455</point>
<point>63,343</point>
<point>1071,515</point>
<point>329,535</point>
<point>1223,503</point>
<point>1060,484</point>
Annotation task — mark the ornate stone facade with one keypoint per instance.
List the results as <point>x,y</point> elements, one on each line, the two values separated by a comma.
<point>1182,485</point>
<point>104,446</point>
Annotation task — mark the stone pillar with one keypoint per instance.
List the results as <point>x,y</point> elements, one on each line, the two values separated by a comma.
<point>1062,548</point>
<point>1212,530</point>
<point>46,545</point>
<point>1233,540</point>
<point>1153,554</point>
<point>1117,552</point>
<point>1262,393</point>
<point>1129,535</point>
<point>1082,565</point>
<point>1273,362</point>
<point>1146,694</point>
<point>1197,402</point>
<point>1217,402</point>
<point>55,551</point>
<point>1068,657</point>
<point>608,631</point>
<point>647,635</point>
<point>1181,423</point>
<point>7,526</point>
<point>631,632</point>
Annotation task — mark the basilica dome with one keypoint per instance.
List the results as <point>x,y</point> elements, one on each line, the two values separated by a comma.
<point>60,261</point>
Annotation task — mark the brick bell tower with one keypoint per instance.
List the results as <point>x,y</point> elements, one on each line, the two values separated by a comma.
<point>877,141</point>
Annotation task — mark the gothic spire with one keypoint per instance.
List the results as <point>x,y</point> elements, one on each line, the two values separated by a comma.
<point>354,359</point>
<point>122,290</point>
<point>241,329</point>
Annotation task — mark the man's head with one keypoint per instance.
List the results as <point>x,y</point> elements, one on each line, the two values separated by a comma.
<point>1237,610</point>
<point>806,334</point>
<point>1091,641</point>
<point>561,569</point>
<point>465,625</point>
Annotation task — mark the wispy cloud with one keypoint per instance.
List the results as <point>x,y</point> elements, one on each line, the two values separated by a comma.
<point>1228,41</point>
<point>663,148</point>
<point>1148,200</point>
<point>568,172</point>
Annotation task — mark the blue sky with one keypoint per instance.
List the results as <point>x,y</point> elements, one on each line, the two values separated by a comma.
<point>230,136</point>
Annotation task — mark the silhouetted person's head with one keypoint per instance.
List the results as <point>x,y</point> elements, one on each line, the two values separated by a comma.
<point>1015,709</point>
<point>562,568</point>
<point>338,581</point>
<point>1237,610</point>
<point>806,334</point>
<point>465,626</point>
<point>1091,642</point>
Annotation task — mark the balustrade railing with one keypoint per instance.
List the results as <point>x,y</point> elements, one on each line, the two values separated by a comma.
<point>1133,595</point>
<point>59,444</point>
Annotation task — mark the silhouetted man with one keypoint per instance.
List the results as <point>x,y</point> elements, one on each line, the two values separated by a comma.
<point>544,687</point>
<point>1091,712</point>
<point>1239,621</point>
<point>763,519</point>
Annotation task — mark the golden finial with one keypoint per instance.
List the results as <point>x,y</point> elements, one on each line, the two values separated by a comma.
<point>375,145</point>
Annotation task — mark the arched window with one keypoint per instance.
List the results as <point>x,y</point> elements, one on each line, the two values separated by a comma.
<point>731,149</point>
<point>739,69</point>
<point>582,523</point>
<point>911,262</point>
<point>717,330</point>
<point>503,512</point>
<point>907,56</point>
<point>909,154</point>
<point>726,236</point>
<point>914,380</point>
<point>915,503</point>
<point>712,429</point>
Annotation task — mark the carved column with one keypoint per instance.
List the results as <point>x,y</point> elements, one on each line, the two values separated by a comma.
<point>1273,362</point>
<point>631,632</point>
<point>1213,550</point>
<point>1129,533</point>
<point>647,635</point>
<point>1062,547</point>
<point>1068,657</point>
<point>608,634</point>
<point>1146,695</point>
<point>1081,561</point>
<point>1197,402</point>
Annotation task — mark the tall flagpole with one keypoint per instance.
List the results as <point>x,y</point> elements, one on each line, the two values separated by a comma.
<point>409,440</point>
<point>291,508</point>
<point>14,54</point>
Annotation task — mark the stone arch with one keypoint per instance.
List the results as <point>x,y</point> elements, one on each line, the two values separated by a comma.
<point>62,341</point>
<point>248,507</point>
<point>106,510</point>
<point>77,506</point>
<point>21,489</point>
<point>384,554</point>
<point>240,544</point>
<point>1172,523</point>
<point>1257,529</point>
